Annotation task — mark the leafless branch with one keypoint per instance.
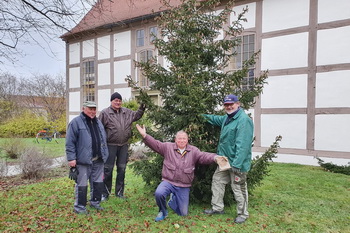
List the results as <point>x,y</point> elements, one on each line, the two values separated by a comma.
<point>30,22</point>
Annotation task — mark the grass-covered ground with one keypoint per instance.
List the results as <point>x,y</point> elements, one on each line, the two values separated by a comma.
<point>294,198</point>
<point>51,149</point>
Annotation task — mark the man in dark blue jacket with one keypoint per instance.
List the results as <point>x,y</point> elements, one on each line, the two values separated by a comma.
<point>86,149</point>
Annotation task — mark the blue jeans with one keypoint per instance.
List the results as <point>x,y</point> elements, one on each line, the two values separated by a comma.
<point>180,199</point>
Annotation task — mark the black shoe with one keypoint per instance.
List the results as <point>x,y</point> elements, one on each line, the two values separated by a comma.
<point>211,211</point>
<point>97,207</point>
<point>104,198</point>
<point>120,196</point>
<point>239,220</point>
<point>84,212</point>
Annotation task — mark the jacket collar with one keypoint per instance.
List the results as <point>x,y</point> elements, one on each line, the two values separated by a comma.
<point>175,147</point>
<point>239,112</point>
<point>121,110</point>
<point>86,117</point>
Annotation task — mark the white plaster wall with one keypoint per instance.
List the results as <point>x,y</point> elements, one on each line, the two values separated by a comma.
<point>283,14</point>
<point>284,52</point>
<point>250,15</point>
<point>124,92</point>
<point>88,48</point>
<point>221,31</point>
<point>292,128</point>
<point>74,53</point>
<point>104,74</point>
<point>333,46</point>
<point>166,63</point>
<point>121,70</point>
<point>333,89</point>
<point>250,112</point>
<point>304,160</point>
<point>332,132</point>
<point>280,92</point>
<point>333,10</point>
<point>220,35</point>
<point>74,77</point>
<point>104,99</point>
<point>122,44</point>
<point>71,117</point>
<point>103,47</point>
<point>74,101</point>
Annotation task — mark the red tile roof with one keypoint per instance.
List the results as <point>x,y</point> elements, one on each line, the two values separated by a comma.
<point>108,12</point>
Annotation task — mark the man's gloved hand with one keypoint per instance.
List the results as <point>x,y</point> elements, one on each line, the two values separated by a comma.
<point>236,170</point>
<point>142,106</point>
<point>73,174</point>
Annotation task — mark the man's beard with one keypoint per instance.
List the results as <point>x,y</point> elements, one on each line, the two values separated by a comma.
<point>229,112</point>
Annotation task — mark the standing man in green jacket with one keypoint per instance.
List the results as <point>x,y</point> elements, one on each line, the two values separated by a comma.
<point>236,144</point>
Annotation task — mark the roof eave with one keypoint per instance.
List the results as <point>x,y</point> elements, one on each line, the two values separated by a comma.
<point>68,36</point>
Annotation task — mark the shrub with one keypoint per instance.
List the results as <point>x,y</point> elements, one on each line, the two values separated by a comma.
<point>25,125</point>
<point>3,167</point>
<point>134,105</point>
<point>13,147</point>
<point>33,163</point>
<point>28,125</point>
<point>260,164</point>
<point>60,125</point>
<point>334,168</point>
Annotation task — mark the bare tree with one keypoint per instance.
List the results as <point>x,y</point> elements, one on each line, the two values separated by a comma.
<point>9,89</point>
<point>44,92</point>
<point>31,21</point>
<point>9,86</point>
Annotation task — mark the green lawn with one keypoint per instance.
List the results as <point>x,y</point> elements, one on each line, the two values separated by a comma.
<point>51,149</point>
<point>294,198</point>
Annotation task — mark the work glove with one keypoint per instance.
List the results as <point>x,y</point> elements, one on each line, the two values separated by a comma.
<point>142,106</point>
<point>223,163</point>
<point>73,174</point>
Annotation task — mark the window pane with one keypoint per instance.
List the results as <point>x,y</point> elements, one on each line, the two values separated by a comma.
<point>144,56</point>
<point>89,81</point>
<point>152,33</point>
<point>245,48</point>
<point>244,52</point>
<point>251,39</point>
<point>149,54</point>
<point>245,40</point>
<point>140,37</point>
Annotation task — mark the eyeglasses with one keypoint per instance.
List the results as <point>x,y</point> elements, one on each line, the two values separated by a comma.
<point>230,104</point>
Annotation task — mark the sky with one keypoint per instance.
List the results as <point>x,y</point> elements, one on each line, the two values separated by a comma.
<point>39,61</point>
<point>48,59</point>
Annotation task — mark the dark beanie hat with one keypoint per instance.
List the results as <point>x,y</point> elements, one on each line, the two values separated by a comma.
<point>116,95</point>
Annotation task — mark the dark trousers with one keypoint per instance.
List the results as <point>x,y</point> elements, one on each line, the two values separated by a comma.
<point>118,155</point>
<point>94,175</point>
